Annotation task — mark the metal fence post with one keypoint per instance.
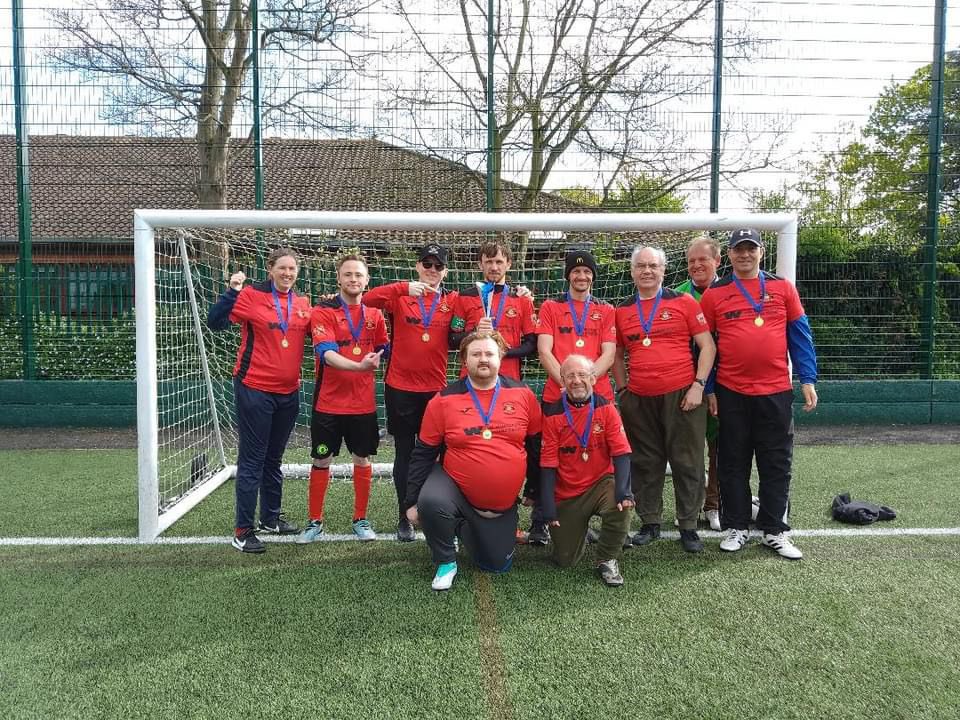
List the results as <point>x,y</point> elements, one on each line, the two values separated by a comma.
<point>25,262</point>
<point>932,230</point>
<point>717,105</point>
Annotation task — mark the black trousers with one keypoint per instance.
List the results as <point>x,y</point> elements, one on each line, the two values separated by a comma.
<point>405,411</point>
<point>751,426</point>
<point>445,514</point>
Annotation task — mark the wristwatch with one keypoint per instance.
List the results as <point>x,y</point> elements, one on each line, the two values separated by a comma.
<point>701,383</point>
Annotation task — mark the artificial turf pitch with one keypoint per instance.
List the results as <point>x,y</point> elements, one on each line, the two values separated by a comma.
<point>863,627</point>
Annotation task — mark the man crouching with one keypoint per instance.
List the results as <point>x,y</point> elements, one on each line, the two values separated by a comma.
<point>585,471</point>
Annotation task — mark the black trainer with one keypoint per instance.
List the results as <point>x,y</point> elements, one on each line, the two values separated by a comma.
<point>248,542</point>
<point>405,531</point>
<point>647,534</point>
<point>691,541</point>
<point>280,526</point>
<point>538,535</point>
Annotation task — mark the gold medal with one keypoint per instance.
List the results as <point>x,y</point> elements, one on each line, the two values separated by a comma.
<point>584,456</point>
<point>284,343</point>
<point>758,321</point>
<point>579,342</point>
<point>357,350</point>
<point>487,433</point>
<point>647,342</point>
<point>425,337</point>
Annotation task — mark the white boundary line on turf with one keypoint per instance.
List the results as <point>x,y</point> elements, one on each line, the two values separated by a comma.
<point>224,539</point>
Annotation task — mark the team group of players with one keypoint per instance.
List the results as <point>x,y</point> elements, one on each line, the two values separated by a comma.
<point>580,456</point>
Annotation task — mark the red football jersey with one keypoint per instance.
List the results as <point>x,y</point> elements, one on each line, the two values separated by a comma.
<point>666,364</point>
<point>416,365</point>
<point>263,363</point>
<point>344,392</point>
<point>517,317</point>
<point>561,447</point>
<point>752,359</point>
<point>555,319</point>
<point>490,472</point>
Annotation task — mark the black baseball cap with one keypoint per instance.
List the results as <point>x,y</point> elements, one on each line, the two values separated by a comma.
<point>433,250</point>
<point>745,235</point>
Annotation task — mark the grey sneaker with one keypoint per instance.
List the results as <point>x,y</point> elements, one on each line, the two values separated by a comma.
<point>363,530</point>
<point>610,573</point>
<point>405,532</point>
<point>691,541</point>
<point>280,526</point>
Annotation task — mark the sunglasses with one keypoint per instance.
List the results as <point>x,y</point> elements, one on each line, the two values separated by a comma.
<point>430,264</point>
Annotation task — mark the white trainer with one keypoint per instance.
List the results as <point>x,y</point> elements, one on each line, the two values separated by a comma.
<point>443,580</point>
<point>735,540</point>
<point>783,545</point>
<point>754,507</point>
<point>713,517</point>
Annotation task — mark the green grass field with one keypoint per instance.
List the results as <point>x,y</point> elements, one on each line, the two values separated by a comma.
<point>863,627</point>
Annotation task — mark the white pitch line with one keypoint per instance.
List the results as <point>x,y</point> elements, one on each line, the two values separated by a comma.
<point>225,539</point>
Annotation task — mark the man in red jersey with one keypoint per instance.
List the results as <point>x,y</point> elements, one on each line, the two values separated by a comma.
<point>420,313</point>
<point>703,261</point>
<point>497,306</point>
<point>585,471</point>
<point>662,399</point>
<point>349,340</point>
<point>574,322</point>
<point>274,322</point>
<point>488,429</point>
<point>758,321</point>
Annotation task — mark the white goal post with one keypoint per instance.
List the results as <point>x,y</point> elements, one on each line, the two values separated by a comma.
<point>156,514</point>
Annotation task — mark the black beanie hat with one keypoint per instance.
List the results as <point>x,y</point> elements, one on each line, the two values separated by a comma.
<point>579,258</point>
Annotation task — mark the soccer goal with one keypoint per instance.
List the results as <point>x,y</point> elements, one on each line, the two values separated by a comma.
<point>185,417</point>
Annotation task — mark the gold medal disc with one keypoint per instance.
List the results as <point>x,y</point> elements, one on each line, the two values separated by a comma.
<point>425,337</point>
<point>284,343</point>
<point>758,321</point>
<point>487,433</point>
<point>585,456</point>
<point>357,350</point>
<point>647,342</point>
<point>579,342</point>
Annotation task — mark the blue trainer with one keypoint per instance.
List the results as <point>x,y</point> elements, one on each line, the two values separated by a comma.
<point>363,530</point>
<point>311,533</point>
<point>444,577</point>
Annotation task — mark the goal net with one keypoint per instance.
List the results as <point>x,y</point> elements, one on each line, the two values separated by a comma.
<point>186,422</point>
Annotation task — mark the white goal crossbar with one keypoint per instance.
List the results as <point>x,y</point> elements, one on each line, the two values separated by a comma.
<point>151,521</point>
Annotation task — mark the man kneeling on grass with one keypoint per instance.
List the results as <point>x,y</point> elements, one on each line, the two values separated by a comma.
<point>488,426</point>
<point>585,471</point>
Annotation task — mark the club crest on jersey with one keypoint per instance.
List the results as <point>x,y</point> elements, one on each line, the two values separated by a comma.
<point>594,316</point>
<point>444,308</point>
<point>509,408</point>
<point>302,313</point>
<point>598,428</point>
<point>319,330</point>
<point>370,324</point>
<point>511,312</point>
<point>665,315</point>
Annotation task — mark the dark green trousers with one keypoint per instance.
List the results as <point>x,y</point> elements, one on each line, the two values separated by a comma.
<point>573,514</point>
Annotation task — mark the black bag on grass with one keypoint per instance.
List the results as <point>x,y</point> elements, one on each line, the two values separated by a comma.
<point>859,512</point>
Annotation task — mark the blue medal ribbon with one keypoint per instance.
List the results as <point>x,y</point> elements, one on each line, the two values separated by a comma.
<point>485,417</point>
<point>427,317</point>
<point>757,307</point>
<point>284,322</point>
<point>647,323</point>
<point>354,331</point>
<point>485,299</point>
<point>579,323</point>
<point>581,438</point>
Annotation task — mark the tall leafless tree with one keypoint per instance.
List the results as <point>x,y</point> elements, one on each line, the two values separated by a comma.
<point>180,67</point>
<point>600,76</point>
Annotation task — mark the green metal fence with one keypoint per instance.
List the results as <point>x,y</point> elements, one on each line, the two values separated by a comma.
<point>830,109</point>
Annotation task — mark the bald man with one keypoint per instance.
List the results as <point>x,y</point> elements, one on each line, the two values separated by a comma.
<point>585,471</point>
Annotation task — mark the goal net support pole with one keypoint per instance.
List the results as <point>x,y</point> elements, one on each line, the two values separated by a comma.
<point>155,517</point>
